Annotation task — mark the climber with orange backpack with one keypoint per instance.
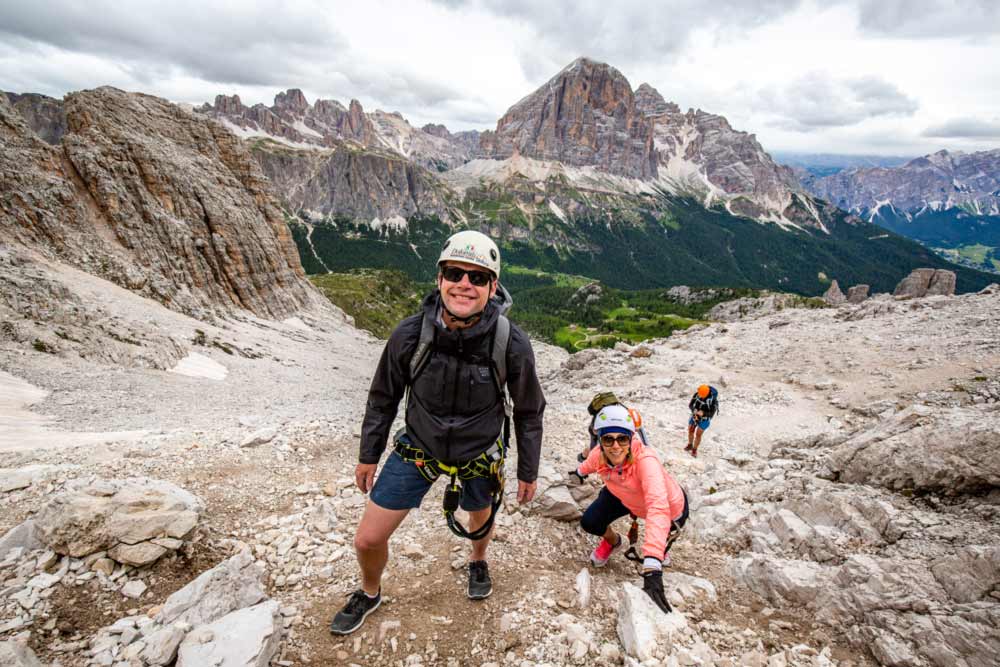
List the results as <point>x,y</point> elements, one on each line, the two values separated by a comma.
<point>703,406</point>
<point>635,483</point>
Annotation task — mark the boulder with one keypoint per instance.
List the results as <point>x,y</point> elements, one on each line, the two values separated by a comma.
<point>643,628</point>
<point>556,502</point>
<point>22,536</point>
<point>244,638</point>
<point>925,282</point>
<point>857,293</point>
<point>16,654</point>
<point>942,283</point>
<point>233,584</point>
<point>915,284</point>
<point>833,295</point>
<point>161,646</point>
<point>122,518</point>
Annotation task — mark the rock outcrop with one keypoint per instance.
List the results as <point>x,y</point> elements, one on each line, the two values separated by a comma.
<point>926,282</point>
<point>134,522</point>
<point>857,293</point>
<point>833,295</point>
<point>584,116</point>
<point>155,199</point>
<point>947,452</point>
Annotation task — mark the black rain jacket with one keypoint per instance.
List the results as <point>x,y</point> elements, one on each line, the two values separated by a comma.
<point>709,406</point>
<point>455,411</point>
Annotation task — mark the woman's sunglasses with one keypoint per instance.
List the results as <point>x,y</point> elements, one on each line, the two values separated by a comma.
<point>453,274</point>
<point>612,440</point>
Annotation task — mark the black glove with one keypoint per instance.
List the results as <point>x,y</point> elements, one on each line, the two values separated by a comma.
<point>652,583</point>
<point>575,477</point>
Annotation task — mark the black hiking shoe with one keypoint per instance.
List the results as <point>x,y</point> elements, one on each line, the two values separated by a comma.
<point>354,612</point>
<point>480,584</point>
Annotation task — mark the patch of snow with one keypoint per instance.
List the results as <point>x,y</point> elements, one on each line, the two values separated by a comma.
<point>306,130</point>
<point>248,133</point>
<point>199,366</point>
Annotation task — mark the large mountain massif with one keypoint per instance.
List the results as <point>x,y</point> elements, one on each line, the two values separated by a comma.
<point>584,175</point>
<point>948,200</point>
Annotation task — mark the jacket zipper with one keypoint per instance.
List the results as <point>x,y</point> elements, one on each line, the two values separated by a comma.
<point>454,394</point>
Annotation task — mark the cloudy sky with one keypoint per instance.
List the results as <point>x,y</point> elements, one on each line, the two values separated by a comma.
<point>885,77</point>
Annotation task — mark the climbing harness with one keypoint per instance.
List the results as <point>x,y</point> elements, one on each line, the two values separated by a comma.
<point>488,465</point>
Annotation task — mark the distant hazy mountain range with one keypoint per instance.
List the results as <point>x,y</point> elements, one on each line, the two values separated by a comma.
<point>824,164</point>
<point>949,200</point>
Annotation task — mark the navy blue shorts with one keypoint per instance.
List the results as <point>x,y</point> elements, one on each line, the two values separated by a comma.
<point>400,486</point>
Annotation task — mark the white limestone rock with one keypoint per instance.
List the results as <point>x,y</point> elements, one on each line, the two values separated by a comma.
<point>16,654</point>
<point>23,536</point>
<point>643,628</point>
<point>161,646</point>
<point>244,638</point>
<point>233,584</point>
<point>106,515</point>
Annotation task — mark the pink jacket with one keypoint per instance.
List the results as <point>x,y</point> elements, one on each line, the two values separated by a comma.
<point>645,488</point>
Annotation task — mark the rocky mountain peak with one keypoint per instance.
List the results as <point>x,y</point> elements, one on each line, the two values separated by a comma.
<point>437,130</point>
<point>328,108</point>
<point>583,116</point>
<point>292,100</point>
<point>649,102</point>
<point>229,104</point>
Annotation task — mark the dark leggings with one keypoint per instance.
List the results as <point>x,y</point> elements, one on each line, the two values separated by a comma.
<point>607,507</point>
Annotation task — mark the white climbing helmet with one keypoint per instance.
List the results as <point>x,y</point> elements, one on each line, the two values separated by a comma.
<point>474,248</point>
<point>614,418</point>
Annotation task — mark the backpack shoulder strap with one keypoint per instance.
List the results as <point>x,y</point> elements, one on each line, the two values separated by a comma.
<point>421,353</point>
<point>501,337</point>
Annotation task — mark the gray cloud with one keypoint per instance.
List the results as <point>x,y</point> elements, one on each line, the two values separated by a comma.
<point>929,18</point>
<point>965,128</point>
<point>820,101</point>
<point>256,43</point>
<point>631,31</point>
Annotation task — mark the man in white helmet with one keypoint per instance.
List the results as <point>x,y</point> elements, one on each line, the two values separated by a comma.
<point>458,376</point>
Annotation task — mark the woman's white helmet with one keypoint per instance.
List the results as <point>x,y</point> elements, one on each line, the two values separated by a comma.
<point>614,418</point>
<point>473,248</point>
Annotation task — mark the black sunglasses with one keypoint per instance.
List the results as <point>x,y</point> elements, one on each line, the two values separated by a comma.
<point>453,274</point>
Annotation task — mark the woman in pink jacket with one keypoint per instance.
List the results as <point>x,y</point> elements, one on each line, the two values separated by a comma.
<point>635,481</point>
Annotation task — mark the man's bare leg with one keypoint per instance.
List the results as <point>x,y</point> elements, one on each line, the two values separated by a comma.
<point>691,428</point>
<point>371,543</point>
<point>477,519</point>
<point>697,440</point>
